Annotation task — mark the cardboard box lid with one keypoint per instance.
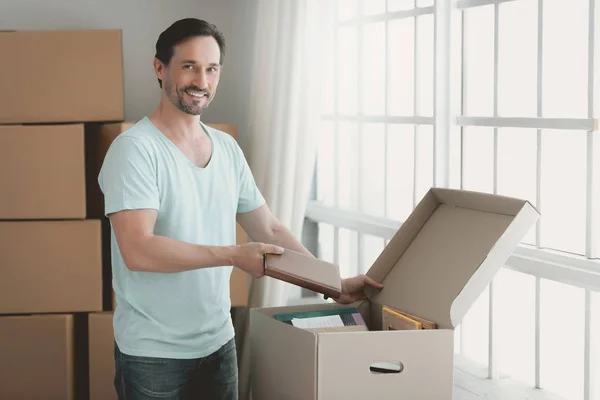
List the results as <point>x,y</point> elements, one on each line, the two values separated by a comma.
<point>447,252</point>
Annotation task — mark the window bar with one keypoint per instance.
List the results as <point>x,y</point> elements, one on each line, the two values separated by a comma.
<point>493,370</point>
<point>538,319</point>
<point>392,119</point>
<point>336,245</point>
<point>389,16</point>
<point>464,4</point>
<point>538,230</point>
<point>588,388</point>
<point>336,137</point>
<point>590,229</point>
<point>386,113</point>
<point>570,124</point>
<point>415,106</point>
<point>463,111</point>
<point>441,94</point>
<point>359,91</point>
<point>587,368</point>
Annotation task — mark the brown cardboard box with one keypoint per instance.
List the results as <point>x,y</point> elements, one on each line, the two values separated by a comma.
<point>50,266</point>
<point>98,139</point>
<point>42,172</point>
<point>435,267</point>
<point>101,356</point>
<point>240,280</point>
<point>37,357</point>
<point>61,76</point>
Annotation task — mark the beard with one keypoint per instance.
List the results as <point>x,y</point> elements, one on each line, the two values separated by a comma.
<point>177,98</point>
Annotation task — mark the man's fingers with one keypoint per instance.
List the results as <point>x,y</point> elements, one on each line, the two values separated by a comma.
<point>272,249</point>
<point>371,282</point>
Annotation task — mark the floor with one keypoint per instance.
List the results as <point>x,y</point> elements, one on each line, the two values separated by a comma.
<point>470,383</point>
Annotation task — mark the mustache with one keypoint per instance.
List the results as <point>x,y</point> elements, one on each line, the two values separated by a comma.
<point>196,89</point>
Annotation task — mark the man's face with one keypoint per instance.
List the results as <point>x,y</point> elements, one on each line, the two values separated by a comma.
<point>191,78</point>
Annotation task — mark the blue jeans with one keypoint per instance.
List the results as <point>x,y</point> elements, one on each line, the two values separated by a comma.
<point>214,377</point>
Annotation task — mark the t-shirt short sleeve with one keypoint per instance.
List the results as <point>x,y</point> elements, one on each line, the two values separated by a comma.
<point>250,197</point>
<point>128,177</point>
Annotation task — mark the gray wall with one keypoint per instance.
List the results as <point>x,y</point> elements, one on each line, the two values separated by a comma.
<point>141,22</point>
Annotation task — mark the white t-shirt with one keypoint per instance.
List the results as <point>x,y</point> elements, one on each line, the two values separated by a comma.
<point>183,314</point>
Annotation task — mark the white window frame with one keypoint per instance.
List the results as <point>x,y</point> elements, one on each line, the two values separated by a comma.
<point>580,271</point>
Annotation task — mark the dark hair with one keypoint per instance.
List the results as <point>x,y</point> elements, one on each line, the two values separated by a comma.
<point>182,30</point>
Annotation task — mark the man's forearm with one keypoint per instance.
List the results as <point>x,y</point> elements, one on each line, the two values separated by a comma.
<point>163,254</point>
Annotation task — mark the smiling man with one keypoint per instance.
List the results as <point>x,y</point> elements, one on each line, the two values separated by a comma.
<point>173,190</point>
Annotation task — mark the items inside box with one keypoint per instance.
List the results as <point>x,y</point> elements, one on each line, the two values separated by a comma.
<point>354,319</point>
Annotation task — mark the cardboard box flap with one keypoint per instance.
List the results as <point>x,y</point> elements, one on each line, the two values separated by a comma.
<point>447,252</point>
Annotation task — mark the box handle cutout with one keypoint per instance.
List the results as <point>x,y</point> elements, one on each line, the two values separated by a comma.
<point>386,367</point>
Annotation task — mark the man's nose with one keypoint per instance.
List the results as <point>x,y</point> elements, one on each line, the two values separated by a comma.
<point>200,80</point>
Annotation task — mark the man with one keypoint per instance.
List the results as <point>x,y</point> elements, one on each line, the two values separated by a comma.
<point>173,189</point>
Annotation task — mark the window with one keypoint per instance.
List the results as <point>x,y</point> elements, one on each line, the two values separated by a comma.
<point>523,103</point>
<point>376,145</point>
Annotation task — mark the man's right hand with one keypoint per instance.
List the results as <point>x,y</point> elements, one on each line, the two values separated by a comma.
<point>250,257</point>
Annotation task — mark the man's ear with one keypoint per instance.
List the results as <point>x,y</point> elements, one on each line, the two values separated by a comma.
<point>159,69</point>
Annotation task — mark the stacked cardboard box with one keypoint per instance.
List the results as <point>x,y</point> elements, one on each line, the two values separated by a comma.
<point>61,105</point>
<point>50,250</point>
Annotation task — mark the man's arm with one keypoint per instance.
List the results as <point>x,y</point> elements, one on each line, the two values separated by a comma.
<point>142,250</point>
<point>262,226</point>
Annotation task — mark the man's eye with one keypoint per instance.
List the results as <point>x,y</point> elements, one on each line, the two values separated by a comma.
<point>212,69</point>
<point>188,67</point>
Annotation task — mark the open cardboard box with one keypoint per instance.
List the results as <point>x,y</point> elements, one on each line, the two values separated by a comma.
<point>435,267</point>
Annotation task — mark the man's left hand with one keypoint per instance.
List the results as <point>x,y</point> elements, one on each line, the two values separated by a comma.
<point>353,289</point>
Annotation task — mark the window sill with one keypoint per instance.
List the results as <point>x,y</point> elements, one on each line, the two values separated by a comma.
<point>471,383</point>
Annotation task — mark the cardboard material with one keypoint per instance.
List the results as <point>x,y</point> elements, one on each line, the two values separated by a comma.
<point>304,271</point>
<point>101,356</point>
<point>454,237</point>
<point>37,357</point>
<point>61,76</point>
<point>240,281</point>
<point>42,172</point>
<point>98,138</point>
<point>50,267</point>
<point>435,267</point>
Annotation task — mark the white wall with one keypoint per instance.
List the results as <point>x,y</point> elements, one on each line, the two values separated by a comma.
<point>141,22</point>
